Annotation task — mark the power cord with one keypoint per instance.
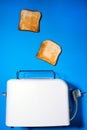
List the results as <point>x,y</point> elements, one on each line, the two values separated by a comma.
<point>76,94</point>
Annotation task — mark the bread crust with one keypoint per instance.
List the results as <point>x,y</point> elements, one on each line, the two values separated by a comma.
<point>49,52</point>
<point>29,20</point>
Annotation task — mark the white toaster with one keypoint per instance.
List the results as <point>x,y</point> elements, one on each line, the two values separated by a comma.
<point>37,103</point>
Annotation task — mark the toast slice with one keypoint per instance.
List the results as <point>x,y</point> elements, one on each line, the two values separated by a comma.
<point>49,52</point>
<point>29,20</point>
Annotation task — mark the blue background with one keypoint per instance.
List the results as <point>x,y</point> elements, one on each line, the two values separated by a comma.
<point>63,21</point>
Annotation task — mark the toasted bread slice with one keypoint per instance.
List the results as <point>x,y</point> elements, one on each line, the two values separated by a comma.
<point>49,51</point>
<point>29,20</point>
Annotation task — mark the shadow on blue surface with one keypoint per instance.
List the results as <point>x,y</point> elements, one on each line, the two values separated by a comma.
<point>78,120</point>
